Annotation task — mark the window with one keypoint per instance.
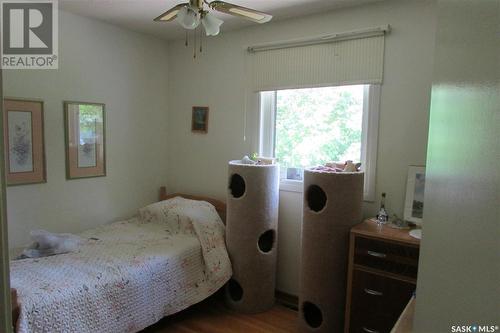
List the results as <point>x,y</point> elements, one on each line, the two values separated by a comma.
<point>313,126</point>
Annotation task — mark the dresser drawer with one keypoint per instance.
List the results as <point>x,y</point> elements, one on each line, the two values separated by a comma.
<point>361,324</point>
<point>386,256</point>
<point>377,301</point>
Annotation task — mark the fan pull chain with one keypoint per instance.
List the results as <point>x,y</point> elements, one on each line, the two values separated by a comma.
<point>186,42</point>
<point>201,40</point>
<point>194,48</point>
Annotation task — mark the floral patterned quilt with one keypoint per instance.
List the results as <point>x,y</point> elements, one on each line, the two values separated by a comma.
<point>127,275</point>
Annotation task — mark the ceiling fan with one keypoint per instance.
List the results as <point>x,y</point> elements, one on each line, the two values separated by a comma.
<point>190,14</point>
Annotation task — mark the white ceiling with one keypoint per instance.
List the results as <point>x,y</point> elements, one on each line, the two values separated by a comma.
<point>138,15</point>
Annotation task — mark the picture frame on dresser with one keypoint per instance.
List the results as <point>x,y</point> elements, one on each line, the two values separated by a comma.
<point>24,143</point>
<point>85,139</point>
<point>414,198</point>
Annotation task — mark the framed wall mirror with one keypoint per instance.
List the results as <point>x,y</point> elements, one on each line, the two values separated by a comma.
<point>85,130</point>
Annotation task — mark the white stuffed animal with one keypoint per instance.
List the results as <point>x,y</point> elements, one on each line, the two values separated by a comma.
<point>46,244</point>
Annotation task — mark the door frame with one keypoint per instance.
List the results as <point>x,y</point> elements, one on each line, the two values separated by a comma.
<point>5,301</point>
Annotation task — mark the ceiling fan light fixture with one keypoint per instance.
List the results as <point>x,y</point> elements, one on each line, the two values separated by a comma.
<point>252,15</point>
<point>212,24</point>
<point>243,12</point>
<point>168,16</point>
<point>187,18</point>
<point>190,14</point>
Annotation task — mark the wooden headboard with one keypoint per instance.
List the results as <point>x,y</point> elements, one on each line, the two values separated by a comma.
<point>220,206</point>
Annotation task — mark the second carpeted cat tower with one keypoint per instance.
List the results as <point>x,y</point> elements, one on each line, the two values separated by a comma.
<point>332,205</point>
<point>251,235</point>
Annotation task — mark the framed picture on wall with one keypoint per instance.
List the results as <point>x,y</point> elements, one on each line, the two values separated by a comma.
<point>85,127</point>
<point>24,141</point>
<point>414,199</point>
<point>199,122</point>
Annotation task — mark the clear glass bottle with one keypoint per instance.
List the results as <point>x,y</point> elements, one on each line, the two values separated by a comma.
<point>382,216</point>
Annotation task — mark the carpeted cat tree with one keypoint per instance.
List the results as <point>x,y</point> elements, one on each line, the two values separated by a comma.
<point>251,235</point>
<point>332,205</point>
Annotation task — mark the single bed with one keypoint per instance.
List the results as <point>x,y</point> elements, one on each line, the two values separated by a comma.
<point>127,275</point>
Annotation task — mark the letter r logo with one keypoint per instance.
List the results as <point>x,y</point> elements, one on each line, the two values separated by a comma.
<point>27,27</point>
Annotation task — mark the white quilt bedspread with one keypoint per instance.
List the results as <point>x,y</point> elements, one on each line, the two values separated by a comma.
<point>129,277</point>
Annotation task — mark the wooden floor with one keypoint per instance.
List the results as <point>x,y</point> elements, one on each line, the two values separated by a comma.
<point>212,316</point>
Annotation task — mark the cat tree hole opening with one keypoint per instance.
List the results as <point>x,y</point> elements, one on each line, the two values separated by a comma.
<point>266,241</point>
<point>235,290</point>
<point>312,314</point>
<point>237,186</point>
<point>316,198</point>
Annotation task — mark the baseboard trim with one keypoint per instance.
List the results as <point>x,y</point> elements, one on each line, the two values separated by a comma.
<point>286,299</point>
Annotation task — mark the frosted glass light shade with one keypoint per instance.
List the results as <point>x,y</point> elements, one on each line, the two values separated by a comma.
<point>188,18</point>
<point>212,24</point>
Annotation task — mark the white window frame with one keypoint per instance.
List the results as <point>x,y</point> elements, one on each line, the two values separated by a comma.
<point>369,137</point>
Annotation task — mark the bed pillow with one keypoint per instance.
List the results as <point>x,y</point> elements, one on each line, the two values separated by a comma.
<point>158,212</point>
<point>173,213</point>
<point>152,213</point>
<point>196,218</point>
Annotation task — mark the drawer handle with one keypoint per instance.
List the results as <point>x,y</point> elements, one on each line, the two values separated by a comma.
<point>373,292</point>
<point>369,330</point>
<point>376,254</point>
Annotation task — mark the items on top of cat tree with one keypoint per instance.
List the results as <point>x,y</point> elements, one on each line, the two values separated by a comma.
<point>257,160</point>
<point>348,166</point>
<point>247,160</point>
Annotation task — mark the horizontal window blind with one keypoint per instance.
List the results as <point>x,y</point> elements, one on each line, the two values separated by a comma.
<point>353,61</point>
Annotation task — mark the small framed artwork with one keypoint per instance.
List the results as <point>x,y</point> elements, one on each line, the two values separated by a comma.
<point>414,199</point>
<point>199,122</point>
<point>85,127</point>
<point>24,142</point>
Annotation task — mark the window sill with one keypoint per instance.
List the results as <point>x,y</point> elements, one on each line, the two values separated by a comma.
<point>289,185</point>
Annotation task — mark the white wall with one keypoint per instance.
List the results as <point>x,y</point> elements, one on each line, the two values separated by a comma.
<point>128,72</point>
<point>218,79</point>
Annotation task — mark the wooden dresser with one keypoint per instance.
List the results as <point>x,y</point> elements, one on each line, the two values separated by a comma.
<point>381,278</point>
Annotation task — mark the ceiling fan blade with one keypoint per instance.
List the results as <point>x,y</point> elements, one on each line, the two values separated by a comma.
<point>244,12</point>
<point>170,14</point>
